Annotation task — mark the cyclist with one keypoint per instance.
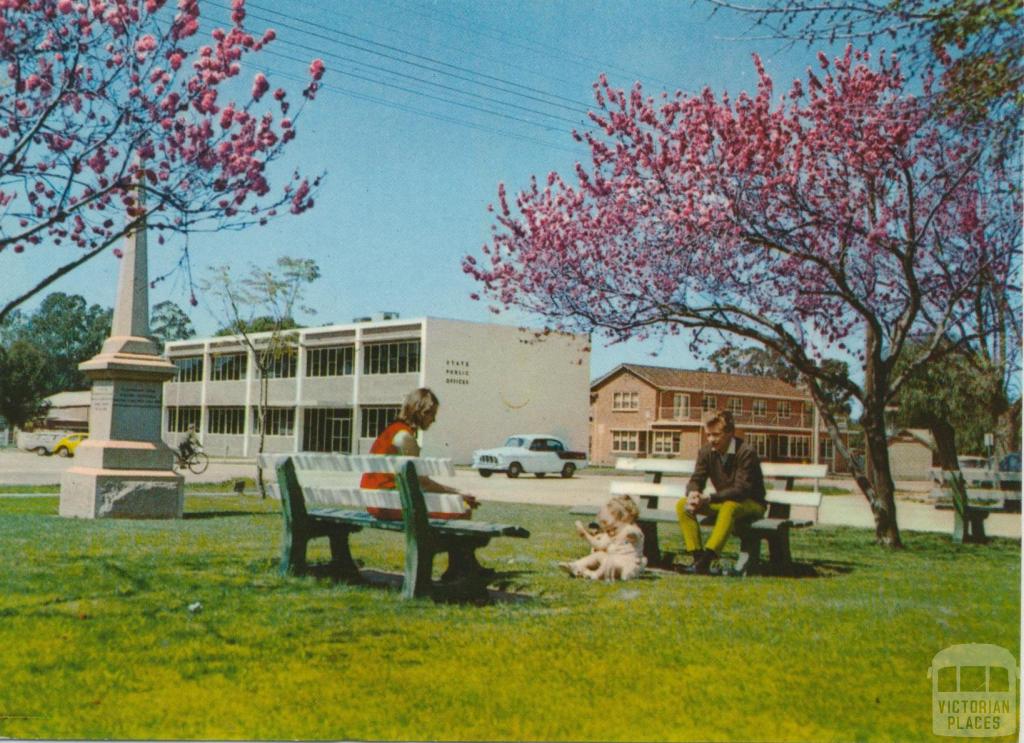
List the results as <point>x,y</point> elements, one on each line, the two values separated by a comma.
<point>188,445</point>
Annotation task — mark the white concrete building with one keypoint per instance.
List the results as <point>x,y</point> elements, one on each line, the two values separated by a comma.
<point>345,384</point>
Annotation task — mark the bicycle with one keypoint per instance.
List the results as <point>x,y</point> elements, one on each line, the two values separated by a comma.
<point>196,462</point>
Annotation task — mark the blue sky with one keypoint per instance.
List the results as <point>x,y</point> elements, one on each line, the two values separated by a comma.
<point>408,176</point>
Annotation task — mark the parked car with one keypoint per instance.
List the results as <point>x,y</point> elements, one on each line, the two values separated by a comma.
<point>67,445</point>
<point>1010,463</point>
<point>41,442</point>
<point>537,453</point>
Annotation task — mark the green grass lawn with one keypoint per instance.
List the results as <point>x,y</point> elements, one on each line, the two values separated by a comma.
<point>98,640</point>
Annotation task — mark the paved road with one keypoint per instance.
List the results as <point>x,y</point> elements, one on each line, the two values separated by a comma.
<point>586,488</point>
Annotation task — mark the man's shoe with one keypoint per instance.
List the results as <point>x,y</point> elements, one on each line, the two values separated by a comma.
<point>702,562</point>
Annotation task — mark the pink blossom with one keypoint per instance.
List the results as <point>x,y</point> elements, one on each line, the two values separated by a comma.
<point>316,69</point>
<point>259,86</point>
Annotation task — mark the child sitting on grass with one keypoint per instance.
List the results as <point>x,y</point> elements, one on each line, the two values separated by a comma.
<point>617,549</point>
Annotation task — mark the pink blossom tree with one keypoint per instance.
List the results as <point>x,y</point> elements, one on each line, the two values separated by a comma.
<point>837,217</point>
<point>102,98</point>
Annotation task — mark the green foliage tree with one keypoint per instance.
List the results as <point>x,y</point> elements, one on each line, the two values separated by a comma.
<point>67,330</point>
<point>268,299</point>
<point>168,322</point>
<point>766,362</point>
<point>24,382</point>
<point>262,324</point>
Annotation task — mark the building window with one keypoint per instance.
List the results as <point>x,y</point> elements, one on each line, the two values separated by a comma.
<point>665,442</point>
<point>800,446</point>
<point>180,418</point>
<point>331,361</point>
<point>626,401</point>
<point>282,365</point>
<point>760,443</point>
<point>188,369</point>
<point>227,420</point>
<point>735,406</point>
<point>826,449</point>
<point>709,402</point>
<point>680,405</point>
<point>759,408</point>
<point>373,420</point>
<point>327,429</point>
<point>227,366</point>
<point>276,421</point>
<point>784,408</point>
<point>625,441</point>
<point>402,357</point>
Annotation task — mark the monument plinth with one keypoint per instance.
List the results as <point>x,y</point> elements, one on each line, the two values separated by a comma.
<point>124,469</point>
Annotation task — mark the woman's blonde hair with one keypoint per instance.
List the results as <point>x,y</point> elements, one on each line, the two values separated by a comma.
<point>418,404</point>
<point>626,508</point>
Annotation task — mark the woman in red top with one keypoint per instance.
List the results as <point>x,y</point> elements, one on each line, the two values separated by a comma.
<point>418,413</point>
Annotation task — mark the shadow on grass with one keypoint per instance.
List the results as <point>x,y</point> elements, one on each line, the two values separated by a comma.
<point>226,514</point>
<point>503,587</point>
<point>809,569</point>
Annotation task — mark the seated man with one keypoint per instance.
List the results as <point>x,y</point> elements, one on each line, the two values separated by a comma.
<point>735,471</point>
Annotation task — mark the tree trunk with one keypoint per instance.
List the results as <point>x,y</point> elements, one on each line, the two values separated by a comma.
<point>945,446</point>
<point>876,459</point>
<point>880,499</point>
<point>261,422</point>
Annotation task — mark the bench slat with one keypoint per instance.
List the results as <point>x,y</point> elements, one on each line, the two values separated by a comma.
<point>358,463</point>
<point>641,489</point>
<point>794,498</point>
<point>436,502</point>
<point>665,466</point>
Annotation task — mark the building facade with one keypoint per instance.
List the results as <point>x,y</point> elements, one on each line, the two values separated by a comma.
<point>654,411</point>
<point>343,384</point>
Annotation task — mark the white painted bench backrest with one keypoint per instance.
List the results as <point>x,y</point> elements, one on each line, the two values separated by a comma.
<point>333,480</point>
<point>684,467</point>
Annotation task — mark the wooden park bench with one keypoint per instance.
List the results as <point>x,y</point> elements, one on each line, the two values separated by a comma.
<point>969,519</point>
<point>317,503</point>
<point>774,528</point>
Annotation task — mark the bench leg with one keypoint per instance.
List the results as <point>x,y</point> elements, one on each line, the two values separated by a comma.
<point>342,564</point>
<point>958,527</point>
<point>462,562</point>
<point>975,531</point>
<point>750,552</point>
<point>778,548</point>
<point>652,550</point>
<point>293,553</point>
<point>419,566</point>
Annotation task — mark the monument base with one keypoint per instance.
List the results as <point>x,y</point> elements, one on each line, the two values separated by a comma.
<point>91,493</point>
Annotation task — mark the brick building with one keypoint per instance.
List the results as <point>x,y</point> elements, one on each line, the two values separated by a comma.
<point>656,411</point>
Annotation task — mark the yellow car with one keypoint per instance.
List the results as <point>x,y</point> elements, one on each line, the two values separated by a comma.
<point>67,445</point>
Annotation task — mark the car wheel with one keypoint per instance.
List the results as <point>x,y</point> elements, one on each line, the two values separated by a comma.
<point>568,470</point>
<point>515,470</point>
<point>63,452</point>
<point>540,474</point>
<point>486,473</point>
<point>41,451</point>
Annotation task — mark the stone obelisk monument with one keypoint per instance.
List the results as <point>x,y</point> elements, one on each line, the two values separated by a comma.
<point>124,469</point>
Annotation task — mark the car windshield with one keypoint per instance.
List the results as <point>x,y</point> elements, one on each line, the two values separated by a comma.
<point>514,441</point>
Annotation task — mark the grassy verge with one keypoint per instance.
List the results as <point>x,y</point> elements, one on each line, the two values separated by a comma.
<point>122,629</point>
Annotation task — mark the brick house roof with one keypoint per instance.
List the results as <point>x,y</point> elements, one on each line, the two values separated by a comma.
<point>667,378</point>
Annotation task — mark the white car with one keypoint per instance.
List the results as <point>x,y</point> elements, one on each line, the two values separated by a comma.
<point>526,452</point>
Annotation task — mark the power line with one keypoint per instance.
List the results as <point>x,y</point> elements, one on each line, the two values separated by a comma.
<point>391,29</point>
<point>433,97</point>
<point>410,109</point>
<point>426,82</point>
<point>442,99</point>
<point>538,47</point>
<point>577,106</point>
